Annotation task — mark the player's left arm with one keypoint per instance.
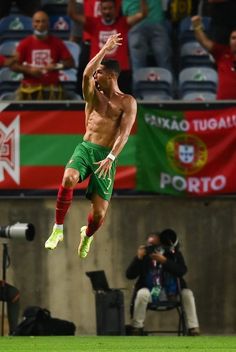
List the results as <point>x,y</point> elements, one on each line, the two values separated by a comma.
<point>127,121</point>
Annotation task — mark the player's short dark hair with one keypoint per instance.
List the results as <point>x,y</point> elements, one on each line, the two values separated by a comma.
<point>232,30</point>
<point>111,65</point>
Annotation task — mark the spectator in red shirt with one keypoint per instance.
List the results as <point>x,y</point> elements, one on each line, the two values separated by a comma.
<point>88,8</point>
<point>40,57</point>
<point>225,58</point>
<point>100,28</point>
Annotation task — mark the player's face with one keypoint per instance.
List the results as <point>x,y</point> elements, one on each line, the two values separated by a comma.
<point>232,42</point>
<point>101,77</point>
<point>108,11</point>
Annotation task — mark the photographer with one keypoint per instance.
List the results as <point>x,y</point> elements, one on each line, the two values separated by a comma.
<point>157,266</point>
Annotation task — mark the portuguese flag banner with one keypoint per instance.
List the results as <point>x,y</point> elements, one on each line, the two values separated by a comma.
<point>186,152</point>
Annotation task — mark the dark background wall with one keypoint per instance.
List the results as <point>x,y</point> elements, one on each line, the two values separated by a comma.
<point>56,279</point>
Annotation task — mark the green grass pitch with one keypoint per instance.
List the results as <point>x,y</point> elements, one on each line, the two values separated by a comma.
<point>118,344</point>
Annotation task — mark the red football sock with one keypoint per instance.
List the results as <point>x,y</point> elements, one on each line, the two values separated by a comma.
<point>64,199</point>
<point>93,225</point>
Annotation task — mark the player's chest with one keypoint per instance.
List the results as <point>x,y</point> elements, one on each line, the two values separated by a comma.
<point>109,109</point>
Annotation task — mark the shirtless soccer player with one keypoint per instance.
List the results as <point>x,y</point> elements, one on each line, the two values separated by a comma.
<point>110,115</point>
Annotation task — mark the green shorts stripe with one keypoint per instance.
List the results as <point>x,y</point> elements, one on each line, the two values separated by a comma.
<point>85,155</point>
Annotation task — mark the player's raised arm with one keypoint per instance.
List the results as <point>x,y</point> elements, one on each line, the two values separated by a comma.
<point>88,81</point>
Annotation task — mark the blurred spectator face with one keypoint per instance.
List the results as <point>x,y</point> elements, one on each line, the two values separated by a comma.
<point>40,23</point>
<point>153,240</point>
<point>232,42</point>
<point>108,11</point>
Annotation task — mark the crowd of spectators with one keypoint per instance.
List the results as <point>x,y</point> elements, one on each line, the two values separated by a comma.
<point>150,28</point>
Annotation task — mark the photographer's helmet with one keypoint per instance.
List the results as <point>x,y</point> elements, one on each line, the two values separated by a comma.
<point>169,239</point>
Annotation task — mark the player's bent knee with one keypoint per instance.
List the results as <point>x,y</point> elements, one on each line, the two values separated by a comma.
<point>70,180</point>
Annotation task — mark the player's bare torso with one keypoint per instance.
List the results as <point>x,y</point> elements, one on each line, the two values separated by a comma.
<point>103,118</point>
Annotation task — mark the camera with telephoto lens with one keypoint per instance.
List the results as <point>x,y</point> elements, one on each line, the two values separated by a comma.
<point>18,231</point>
<point>150,249</point>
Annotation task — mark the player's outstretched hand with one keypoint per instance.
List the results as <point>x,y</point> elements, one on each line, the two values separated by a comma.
<point>113,41</point>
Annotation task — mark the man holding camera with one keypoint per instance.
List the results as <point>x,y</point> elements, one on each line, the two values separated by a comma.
<point>158,265</point>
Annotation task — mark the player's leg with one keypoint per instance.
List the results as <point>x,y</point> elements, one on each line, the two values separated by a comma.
<point>64,199</point>
<point>96,217</point>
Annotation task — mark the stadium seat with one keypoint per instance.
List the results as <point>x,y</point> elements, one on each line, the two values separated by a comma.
<point>9,80</point>
<point>54,7</point>
<point>15,27</point>
<point>60,25</point>
<point>197,79</point>
<point>193,54</point>
<point>199,96</point>
<point>54,2</point>
<point>153,83</point>
<point>8,96</point>
<point>74,49</point>
<point>8,47</point>
<point>186,33</point>
<point>68,79</point>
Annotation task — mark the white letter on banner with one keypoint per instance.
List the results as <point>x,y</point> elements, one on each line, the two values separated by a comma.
<point>184,125</point>
<point>165,180</point>
<point>212,124</point>
<point>218,182</point>
<point>179,183</point>
<point>205,181</point>
<point>193,184</point>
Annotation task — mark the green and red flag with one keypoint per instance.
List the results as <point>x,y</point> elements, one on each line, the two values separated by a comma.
<point>186,152</point>
<point>35,146</point>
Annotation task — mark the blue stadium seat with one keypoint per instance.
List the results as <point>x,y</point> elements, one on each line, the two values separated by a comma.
<point>9,80</point>
<point>15,27</point>
<point>54,2</point>
<point>54,7</point>
<point>199,96</point>
<point>74,49</point>
<point>193,54</point>
<point>60,26</point>
<point>186,33</point>
<point>8,47</point>
<point>8,96</point>
<point>197,79</point>
<point>153,83</point>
